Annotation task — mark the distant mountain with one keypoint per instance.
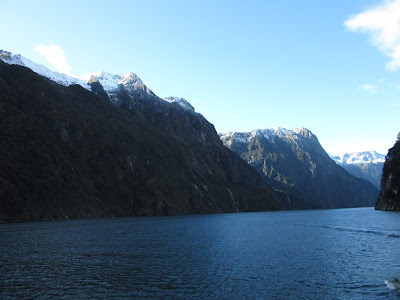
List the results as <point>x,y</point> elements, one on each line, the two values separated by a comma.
<point>389,196</point>
<point>364,157</point>
<point>294,162</point>
<point>110,147</point>
<point>367,165</point>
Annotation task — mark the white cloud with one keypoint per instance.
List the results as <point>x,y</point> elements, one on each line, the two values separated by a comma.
<point>55,56</point>
<point>369,88</point>
<point>383,23</point>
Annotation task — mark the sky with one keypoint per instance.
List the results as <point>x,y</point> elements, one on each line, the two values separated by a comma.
<point>330,66</point>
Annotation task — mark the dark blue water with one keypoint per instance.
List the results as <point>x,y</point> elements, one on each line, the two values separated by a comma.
<point>324,254</point>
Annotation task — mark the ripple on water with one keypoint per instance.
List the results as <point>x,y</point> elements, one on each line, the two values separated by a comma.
<point>336,254</point>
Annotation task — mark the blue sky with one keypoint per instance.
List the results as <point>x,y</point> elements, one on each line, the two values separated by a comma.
<point>329,66</point>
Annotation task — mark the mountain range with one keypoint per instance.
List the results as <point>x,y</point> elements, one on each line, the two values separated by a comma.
<point>106,145</point>
<point>294,162</point>
<point>367,165</point>
<point>67,151</point>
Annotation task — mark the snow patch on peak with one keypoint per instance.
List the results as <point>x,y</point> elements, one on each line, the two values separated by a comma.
<point>108,81</point>
<point>239,137</point>
<point>129,79</point>
<point>181,101</point>
<point>244,137</point>
<point>364,157</point>
<point>269,133</point>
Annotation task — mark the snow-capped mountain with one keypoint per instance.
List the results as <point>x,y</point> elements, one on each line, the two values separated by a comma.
<point>301,136</point>
<point>84,156</point>
<point>293,161</point>
<point>110,82</point>
<point>367,165</point>
<point>365,157</point>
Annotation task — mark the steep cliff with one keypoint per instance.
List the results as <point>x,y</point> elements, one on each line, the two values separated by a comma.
<point>389,196</point>
<point>66,152</point>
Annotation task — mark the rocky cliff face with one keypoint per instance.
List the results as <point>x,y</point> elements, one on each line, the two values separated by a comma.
<point>389,197</point>
<point>294,162</point>
<point>69,152</point>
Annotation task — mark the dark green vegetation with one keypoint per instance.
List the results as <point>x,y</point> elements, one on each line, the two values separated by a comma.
<point>368,171</point>
<point>389,197</point>
<point>295,163</point>
<point>67,152</point>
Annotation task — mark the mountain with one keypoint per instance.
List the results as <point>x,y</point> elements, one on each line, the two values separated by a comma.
<point>365,157</point>
<point>367,165</point>
<point>108,146</point>
<point>294,162</point>
<point>389,196</point>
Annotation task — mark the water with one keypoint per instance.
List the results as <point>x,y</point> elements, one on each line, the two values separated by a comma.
<point>323,254</point>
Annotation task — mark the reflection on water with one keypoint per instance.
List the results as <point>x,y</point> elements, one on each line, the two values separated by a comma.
<point>324,254</point>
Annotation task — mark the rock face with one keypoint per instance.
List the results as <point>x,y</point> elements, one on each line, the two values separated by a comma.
<point>294,162</point>
<point>69,152</point>
<point>389,196</point>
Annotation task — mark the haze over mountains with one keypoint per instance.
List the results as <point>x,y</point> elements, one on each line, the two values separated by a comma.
<point>106,145</point>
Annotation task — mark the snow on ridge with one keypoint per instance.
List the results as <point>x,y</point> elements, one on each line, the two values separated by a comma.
<point>271,133</point>
<point>130,78</point>
<point>229,137</point>
<point>268,133</point>
<point>181,101</point>
<point>62,79</point>
<point>109,81</point>
<point>364,157</point>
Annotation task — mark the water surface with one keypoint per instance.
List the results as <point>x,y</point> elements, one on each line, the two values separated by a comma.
<point>320,254</point>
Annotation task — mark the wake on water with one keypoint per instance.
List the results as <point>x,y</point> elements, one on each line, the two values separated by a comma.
<point>393,284</point>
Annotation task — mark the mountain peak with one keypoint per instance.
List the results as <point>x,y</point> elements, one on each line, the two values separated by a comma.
<point>364,157</point>
<point>130,78</point>
<point>293,161</point>
<point>304,132</point>
<point>181,101</point>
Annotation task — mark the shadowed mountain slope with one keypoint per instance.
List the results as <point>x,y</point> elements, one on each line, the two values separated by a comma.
<point>67,152</point>
<point>389,197</point>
